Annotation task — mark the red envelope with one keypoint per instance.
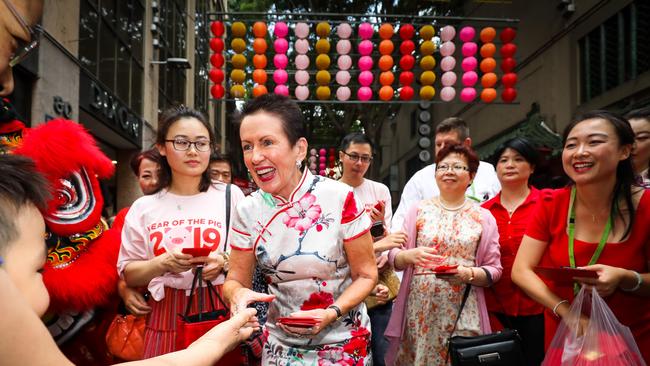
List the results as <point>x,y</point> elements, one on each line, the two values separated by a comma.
<point>196,252</point>
<point>564,275</point>
<point>298,321</point>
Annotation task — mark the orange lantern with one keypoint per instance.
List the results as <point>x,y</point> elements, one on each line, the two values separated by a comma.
<point>488,65</point>
<point>488,95</point>
<point>259,90</point>
<point>259,29</point>
<point>386,93</point>
<point>260,76</point>
<point>259,45</point>
<point>386,78</point>
<point>489,79</point>
<point>259,61</point>
<point>385,63</point>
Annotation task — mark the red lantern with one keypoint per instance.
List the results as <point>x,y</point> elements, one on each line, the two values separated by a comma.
<point>507,35</point>
<point>509,80</point>
<point>509,94</point>
<point>407,47</point>
<point>217,91</point>
<point>508,50</point>
<point>406,78</point>
<point>217,29</point>
<point>217,60</point>
<point>508,64</point>
<point>216,75</point>
<point>406,93</point>
<point>406,31</point>
<point>407,62</point>
<point>216,44</point>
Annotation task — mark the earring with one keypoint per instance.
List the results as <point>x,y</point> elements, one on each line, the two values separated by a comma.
<point>298,163</point>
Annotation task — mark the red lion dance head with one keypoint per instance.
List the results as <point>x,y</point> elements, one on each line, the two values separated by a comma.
<point>80,272</point>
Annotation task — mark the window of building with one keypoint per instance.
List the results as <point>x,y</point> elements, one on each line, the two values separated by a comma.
<point>616,51</point>
<point>172,37</point>
<point>111,46</point>
<point>201,56</point>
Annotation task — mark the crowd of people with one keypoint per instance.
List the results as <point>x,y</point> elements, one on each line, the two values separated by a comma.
<point>317,271</point>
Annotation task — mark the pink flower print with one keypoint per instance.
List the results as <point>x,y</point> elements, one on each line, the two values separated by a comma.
<point>331,356</point>
<point>303,214</point>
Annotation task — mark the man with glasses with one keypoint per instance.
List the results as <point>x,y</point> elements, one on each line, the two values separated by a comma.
<point>19,35</point>
<point>422,186</point>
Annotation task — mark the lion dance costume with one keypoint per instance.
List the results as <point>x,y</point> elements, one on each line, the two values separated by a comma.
<point>80,272</point>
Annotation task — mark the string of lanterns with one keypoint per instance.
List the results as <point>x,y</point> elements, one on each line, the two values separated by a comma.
<point>375,68</point>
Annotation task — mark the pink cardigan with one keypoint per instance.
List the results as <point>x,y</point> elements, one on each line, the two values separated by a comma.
<point>488,256</point>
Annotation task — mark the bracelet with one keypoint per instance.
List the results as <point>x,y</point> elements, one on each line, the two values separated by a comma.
<point>558,305</point>
<point>339,313</point>
<point>639,281</point>
<point>471,278</point>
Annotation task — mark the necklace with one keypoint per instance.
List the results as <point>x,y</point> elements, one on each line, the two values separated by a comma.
<point>451,208</point>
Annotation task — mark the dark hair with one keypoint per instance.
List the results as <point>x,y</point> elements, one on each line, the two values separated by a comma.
<point>355,138</point>
<point>454,124</point>
<point>523,147</point>
<point>640,113</point>
<point>216,157</point>
<point>20,184</point>
<point>461,149</point>
<point>624,170</point>
<point>287,110</point>
<point>151,154</point>
<point>167,119</point>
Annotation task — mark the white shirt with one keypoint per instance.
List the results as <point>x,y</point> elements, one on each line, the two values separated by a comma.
<point>423,186</point>
<point>369,192</point>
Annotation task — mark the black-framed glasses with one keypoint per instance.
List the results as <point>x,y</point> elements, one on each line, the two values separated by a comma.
<point>24,48</point>
<point>354,157</point>
<point>184,145</point>
<point>456,168</point>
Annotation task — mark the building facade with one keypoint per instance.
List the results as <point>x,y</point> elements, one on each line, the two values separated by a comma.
<point>104,63</point>
<point>572,56</point>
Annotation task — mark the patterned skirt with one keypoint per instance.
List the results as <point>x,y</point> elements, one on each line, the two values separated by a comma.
<point>160,332</point>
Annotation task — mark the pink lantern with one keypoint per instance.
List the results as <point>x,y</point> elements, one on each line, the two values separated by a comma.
<point>467,95</point>
<point>322,159</point>
<point>302,77</point>
<point>301,46</point>
<point>280,45</point>
<point>447,63</point>
<point>312,168</point>
<point>364,93</point>
<point>365,48</point>
<point>449,78</point>
<point>470,78</point>
<point>302,30</point>
<point>302,62</point>
<point>322,172</point>
<point>282,90</point>
<point>469,49</point>
<point>467,35</point>
<point>365,63</point>
<point>344,62</point>
<point>343,93</point>
<point>313,152</point>
<point>365,30</point>
<point>280,76</point>
<point>343,77</point>
<point>302,92</point>
<point>280,61</point>
<point>469,63</point>
<point>447,33</point>
<point>365,78</point>
<point>343,47</point>
<point>344,30</point>
<point>281,29</point>
<point>447,93</point>
<point>447,49</point>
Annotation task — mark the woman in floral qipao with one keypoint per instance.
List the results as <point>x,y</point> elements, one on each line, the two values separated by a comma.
<point>310,237</point>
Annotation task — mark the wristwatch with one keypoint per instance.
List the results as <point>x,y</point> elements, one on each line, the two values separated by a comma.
<point>339,313</point>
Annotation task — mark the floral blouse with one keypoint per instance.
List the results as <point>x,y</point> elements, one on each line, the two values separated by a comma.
<point>298,244</point>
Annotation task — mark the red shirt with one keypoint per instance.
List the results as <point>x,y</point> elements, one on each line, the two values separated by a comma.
<point>514,301</point>
<point>549,225</point>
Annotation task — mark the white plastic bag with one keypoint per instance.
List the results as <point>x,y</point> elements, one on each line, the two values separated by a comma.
<point>592,336</point>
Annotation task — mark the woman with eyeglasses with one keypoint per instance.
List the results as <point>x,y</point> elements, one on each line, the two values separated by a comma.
<point>355,155</point>
<point>512,209</point>
<point>453,244</point>
<point>187,210</point>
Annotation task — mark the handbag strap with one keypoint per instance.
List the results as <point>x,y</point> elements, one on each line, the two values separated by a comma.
<point>468,288</point>
<point>211,290</point>
<point>225,242</point>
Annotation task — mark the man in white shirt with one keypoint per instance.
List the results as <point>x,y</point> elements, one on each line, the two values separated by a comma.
<point>422,184</point>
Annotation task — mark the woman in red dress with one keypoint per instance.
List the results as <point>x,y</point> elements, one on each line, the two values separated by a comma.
<point>609,232</point>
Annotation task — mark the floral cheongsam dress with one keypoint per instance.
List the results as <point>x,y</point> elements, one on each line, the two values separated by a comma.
<point>299,248</point>
<point>432,305</point>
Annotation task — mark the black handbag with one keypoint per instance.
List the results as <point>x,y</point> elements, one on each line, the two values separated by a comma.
<point>502,348</point>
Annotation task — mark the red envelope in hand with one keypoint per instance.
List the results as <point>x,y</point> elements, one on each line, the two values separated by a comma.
<point>445,270</point>
<point>196,252</point>
<point>298,321</point>
<point>564,275</point>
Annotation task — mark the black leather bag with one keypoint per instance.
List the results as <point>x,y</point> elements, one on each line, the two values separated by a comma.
<point>495,349</point>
